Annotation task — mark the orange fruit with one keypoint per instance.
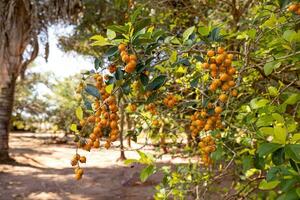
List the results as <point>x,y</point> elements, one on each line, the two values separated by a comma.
<point>113,124</point>
<point>213,87</point>
<point>227,62</point>
<point>219,59</point>
<point>231,83</point>
<point>82,122</point>
<point>218,109</point>
<point>74,162</point>
<point>93,137</point>
<point>205,65</point>
<point>96,144</point>
<point>125,58</point>
<point>112,69</point>
<point>213,74</point>
<point>82,159</point>
<point>122,47</point>
<point>220,50</point>
<point>210,53</point>
<point>224,77</point>
<point>123,53</point>
<point>234,93</point>
<point>130,67</point>
<point>223,97</point>
<point>293,7</point>
<point>217,82</point>
<point>133,57</point>
<point>213,67</point>
<point>225,87</point>
<point>230,56</point>
<point>107,145</point>
<point>155,122</point>
<point>231,71</point>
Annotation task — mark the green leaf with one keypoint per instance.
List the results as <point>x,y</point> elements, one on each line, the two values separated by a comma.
<point>92,90</point>
<point>289,35</point>
<point>79,113</point>
<point>267,148</point>
<point>87,104</point>
<point>99,41</point>
<point>142,24</point>
<point>278,156</point>
<point>112,51</point>
<point>214,34</point>
<point>217,155</point>
<point>266,131</point>
<point>292,99</point>
<point>145,158</point>
<point>203,30</point>
<point>258,103</point>
<point>97,63</point>
<point>264,185</point>
<point>156,83</point>
<point>270,66</point>
<point>265,120</point>
<point>126,88</point>
<point>296,137</point>
<point>247,163</point>
<point>186,34</point>
<point>73,127</point>
<point>273,91</point>
<point>146,172</point>
<point>110,34</point>
<point>293,151</point>
<point>130,161</point>
<point>118,29</point>
<point>119,73</point>
<point>144,79</point>
<point>280,134</point>
<point>109,88</point>
<point>194,82</point>
<point>278,117</point>
<point>173,57</point>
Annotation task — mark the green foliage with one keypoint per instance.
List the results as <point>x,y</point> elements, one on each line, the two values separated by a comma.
<point>261,140</point>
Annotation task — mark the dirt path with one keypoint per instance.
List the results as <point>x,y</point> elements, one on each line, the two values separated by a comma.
<point>43,172</point>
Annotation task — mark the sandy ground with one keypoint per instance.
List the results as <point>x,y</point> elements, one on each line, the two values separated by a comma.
<point>43,172</point>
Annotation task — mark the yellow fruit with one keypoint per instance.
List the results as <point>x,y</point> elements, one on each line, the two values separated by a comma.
<point>74,162</point>
<point>218,109</point>
<point>78,176</point>
<point>121,47</point>
<point>82,159</point>
<point>234,93</point>
<point>220,50</point>
<point>210,53</point>
<point>223,97</point>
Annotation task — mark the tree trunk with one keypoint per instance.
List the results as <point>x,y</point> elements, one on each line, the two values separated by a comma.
<point>122,111</point>
<point>6,106</point>
<point>129,127</point>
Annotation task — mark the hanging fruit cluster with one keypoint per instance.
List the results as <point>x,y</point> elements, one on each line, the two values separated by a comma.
<point>151,108</point>
<point>104,120</point>
<point>221,85</point>
<point>207,146</point>
<point>75,161</point>
<point>295,8</point>
<point>130,60</point>
<point>170,101</point>
<point>203,121</point>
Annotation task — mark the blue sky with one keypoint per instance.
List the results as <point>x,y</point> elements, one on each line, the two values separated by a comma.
<point>60,63</point>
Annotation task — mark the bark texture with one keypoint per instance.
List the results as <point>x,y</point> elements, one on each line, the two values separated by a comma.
<point>23,25</point>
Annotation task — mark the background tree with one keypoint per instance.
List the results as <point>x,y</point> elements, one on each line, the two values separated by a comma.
<point>23,27</point>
